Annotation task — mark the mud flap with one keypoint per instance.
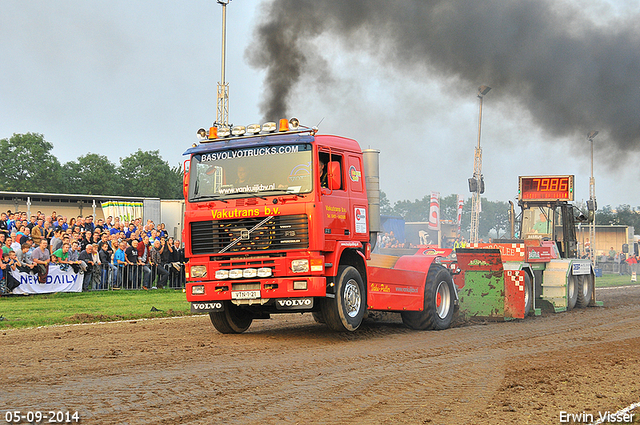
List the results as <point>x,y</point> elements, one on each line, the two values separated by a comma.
<point>489,291</point>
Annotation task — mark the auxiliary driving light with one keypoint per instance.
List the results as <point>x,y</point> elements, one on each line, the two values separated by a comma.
<point>222,274</point>
<point>224,132</point>
<point>197,290</point>
<point>264,272</point>
<point>235,274</point>
<point>294,123</point>
<point>269,127</point>
<point>249,273</point>
<point>238,130</point>
<point>253,128</point>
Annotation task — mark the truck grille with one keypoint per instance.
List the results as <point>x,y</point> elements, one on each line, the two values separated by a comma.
<point>280,232</point>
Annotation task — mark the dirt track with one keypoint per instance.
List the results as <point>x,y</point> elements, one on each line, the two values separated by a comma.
<point>292,370</point>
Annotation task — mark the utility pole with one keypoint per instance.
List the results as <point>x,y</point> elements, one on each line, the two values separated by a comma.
<point>592,205</point>
<point>222,114</point>
<point>476,183</point>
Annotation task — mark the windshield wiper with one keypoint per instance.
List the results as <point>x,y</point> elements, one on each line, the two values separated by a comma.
<point>281,191</point>
<point>208,198</point>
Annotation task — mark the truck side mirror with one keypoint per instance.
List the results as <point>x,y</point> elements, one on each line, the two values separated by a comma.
<point>333,175</point>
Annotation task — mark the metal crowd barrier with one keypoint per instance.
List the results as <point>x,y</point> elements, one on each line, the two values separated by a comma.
<point>132,277</point>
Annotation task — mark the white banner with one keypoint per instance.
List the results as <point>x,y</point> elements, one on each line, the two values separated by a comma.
<point>57,281</point>
<point>434,211</point>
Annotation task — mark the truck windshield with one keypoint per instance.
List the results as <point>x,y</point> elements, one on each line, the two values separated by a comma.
<point>250,171</point>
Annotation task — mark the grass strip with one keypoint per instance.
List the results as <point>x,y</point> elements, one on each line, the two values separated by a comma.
<point>21,311</point>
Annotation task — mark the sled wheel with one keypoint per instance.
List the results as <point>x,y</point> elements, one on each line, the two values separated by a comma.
<point>233,320</point>
<point>528,294</point>
<point>585,289</point>
<point>346,311</point>
<point>438,303</point>
<point>572,292</point>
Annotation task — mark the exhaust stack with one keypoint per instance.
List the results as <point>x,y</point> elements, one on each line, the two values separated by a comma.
<point>371,158</point>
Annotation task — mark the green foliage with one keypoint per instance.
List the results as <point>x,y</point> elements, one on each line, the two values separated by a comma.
<point>623,215</point>
<point>494,218</point>
<point>92,174</point>
<point>146,174</point>
<point>28,165</point>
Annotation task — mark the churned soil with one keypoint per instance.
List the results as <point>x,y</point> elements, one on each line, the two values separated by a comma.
<point>291,370</point>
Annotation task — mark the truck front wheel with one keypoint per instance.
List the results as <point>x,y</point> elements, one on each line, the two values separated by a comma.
<point>438,303</point>
<point>346,311</point>
<point>233,320</point>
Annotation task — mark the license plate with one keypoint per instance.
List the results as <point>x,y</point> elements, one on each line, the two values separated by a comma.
<point>245,295</point>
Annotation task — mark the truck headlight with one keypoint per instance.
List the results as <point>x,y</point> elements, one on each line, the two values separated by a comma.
<point>197,290</point>
<point>198,271</point>
<point>300,266</point>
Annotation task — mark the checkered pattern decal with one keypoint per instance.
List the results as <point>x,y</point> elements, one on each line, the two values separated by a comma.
<point>517,277</point>
<point>509,252</point>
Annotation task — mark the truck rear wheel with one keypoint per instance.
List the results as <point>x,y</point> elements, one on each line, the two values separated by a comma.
<point>438,303</point>
<point>346,311</point>
<point>585,289</point>
<point>233,320</point>
<point>572,291</point>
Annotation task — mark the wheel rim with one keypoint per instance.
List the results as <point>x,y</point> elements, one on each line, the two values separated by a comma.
<point>352,298</point>
<point>526,296</point>
<point>443,299</point>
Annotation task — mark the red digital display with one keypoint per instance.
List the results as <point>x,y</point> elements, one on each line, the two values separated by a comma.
<point>543,188</point>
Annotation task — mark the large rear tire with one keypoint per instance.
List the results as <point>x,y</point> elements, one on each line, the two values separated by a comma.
<point>585,289</point>
<point>346,311</point>
<point>233,320</point>
<point>572,291</point>
<point>439,301</point>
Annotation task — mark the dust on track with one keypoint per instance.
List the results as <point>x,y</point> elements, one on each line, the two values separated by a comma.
<point>291,370</point>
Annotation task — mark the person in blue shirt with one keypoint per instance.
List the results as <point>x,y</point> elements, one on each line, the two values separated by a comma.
<point>119,261</point>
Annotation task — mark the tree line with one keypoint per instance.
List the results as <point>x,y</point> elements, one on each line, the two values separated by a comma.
<point>27,165</point>
<point>494,218</point>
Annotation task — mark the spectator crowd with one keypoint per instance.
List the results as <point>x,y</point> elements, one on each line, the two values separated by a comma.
<point>112,254</point>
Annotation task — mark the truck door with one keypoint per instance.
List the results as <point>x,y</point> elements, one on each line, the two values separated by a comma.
<point>335,197</point>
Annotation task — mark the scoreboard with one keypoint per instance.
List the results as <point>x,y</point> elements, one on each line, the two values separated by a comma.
<point>545,188</point>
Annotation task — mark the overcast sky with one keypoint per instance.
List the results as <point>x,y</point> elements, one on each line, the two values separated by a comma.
<point>113,77</point>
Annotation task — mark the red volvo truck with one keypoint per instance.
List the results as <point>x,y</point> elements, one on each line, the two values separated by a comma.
<point>281,219</point>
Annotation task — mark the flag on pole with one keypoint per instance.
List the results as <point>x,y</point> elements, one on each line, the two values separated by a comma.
<point>460,204</point>
<point>434,211</point>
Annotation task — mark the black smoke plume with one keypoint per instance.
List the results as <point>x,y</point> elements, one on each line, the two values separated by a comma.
<point>570,73</point>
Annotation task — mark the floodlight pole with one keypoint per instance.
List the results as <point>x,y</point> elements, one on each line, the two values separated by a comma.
<point>222,113</point>
<point>592,198</point>
<point>477,174</point>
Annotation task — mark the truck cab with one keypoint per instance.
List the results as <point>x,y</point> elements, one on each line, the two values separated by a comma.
<point>269,215</point>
